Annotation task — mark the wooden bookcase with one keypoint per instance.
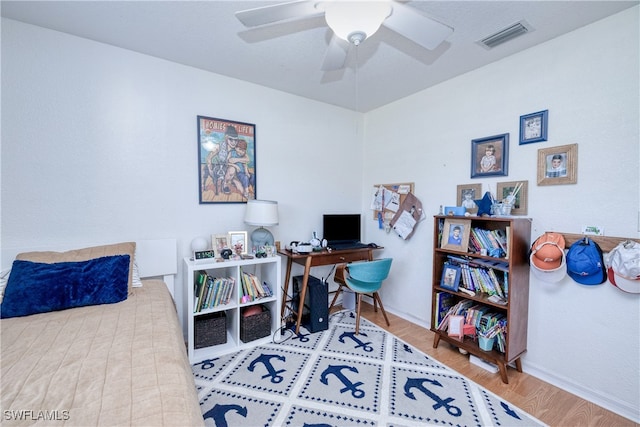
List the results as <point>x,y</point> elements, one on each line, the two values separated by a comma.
<point>516,309</point>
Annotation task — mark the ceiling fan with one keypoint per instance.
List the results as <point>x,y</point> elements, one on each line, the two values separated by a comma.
<point>352,22</point>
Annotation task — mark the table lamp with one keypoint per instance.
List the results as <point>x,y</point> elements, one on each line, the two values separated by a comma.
<point>262,213</point>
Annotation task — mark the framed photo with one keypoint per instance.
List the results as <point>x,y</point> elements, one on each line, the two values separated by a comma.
<point>466,195</point>
<point>558,165</point>
<point>533,127</point>
<point>455,234</point>
<point>450,277</point>
<point>456,326</point>
<point>505,189</point>
<point>226,161</point>
<point>219,242</point>
<point>238,242</point>
<point>489,156</point>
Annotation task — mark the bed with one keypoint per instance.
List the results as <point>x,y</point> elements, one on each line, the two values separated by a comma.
<point>96,363</point>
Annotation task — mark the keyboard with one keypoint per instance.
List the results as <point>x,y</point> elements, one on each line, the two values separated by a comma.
<point>348,245</point>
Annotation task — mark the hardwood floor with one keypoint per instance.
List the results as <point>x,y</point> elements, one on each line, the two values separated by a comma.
<point>546,402</point>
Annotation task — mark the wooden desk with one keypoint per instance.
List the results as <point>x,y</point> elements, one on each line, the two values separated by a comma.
<point>314,259</point>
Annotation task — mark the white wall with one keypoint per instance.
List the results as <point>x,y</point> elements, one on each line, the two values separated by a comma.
<point>99,144</point>
<point>583,338</point>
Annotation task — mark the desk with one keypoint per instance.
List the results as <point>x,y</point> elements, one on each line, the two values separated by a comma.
<point>314,259</point>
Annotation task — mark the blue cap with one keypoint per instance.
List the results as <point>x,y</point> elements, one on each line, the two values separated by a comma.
<point>585,264</point>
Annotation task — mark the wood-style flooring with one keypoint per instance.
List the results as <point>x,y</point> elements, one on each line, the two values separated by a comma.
<point>546,402</point>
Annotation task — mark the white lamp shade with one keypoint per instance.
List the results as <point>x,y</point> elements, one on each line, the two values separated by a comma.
<point>349,17</point>
<point>261,213</point>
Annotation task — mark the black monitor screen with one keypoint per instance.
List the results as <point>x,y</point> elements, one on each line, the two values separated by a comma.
<point>341,227</point>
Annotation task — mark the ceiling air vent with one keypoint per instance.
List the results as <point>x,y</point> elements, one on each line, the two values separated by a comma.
<point>504,35</point>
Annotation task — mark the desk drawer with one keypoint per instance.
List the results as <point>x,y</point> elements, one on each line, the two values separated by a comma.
<point>339,258</point>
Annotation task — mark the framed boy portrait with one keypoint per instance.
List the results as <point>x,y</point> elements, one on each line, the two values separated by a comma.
<point>558,165</point>
<point>489,156</point>
<point>466,196</point>
<point>455,234</point>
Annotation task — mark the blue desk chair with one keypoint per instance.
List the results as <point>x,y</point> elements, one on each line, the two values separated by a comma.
<point>364,278</point>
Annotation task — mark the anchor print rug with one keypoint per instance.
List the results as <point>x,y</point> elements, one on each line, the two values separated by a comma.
<point>337,378</point>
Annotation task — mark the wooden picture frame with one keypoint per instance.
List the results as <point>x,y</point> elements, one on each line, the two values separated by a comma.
<point>489,156</point>
<point>558,165</point>
<point>456,240</point>
<point>238,238</point>
<point>450,277</point>
<point>226,161</point>
<point>533,127</point>
<point>467,194</point>
<point>505,188</point>
<point>219,242</point>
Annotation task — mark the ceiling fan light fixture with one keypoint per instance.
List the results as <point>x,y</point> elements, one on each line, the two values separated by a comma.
<point>354,21</point>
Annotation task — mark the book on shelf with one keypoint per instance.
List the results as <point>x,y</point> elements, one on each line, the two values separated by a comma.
<point>444,301</point>
<point>211,292</point>
<point>253,288</point>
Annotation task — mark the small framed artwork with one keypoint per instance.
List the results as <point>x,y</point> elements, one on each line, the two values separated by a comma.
<point>238,242</point>
<point>558,165</point>
<point>466,196</point>
<point>226,161</point>
<point>489,156</point>
<point>455,234</point>
<point>456,326</point>
<point>521,190</point>
<point>533,127</point>
<point>450,277</point>
<point>219,242</point>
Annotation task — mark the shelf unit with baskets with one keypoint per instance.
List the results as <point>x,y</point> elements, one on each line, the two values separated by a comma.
<point>222,328</point>
<point>512,264</point>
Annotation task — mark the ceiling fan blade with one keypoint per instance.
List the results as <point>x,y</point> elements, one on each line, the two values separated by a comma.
<point>424,31</point>
<point>277,12</point>
<point>336,54</point>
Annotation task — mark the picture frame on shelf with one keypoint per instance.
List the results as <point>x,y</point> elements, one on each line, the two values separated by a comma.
<point>455,234</point>
<point>533,127</point>
<point>466,196</point>
<point>450,277</point>
<point>504,189</point>
<point>226,161</point>
<point>490,156</point>
<point>558,165</point>
<point>238,242</point>
<point>456,326</point>
<point>219,242</point>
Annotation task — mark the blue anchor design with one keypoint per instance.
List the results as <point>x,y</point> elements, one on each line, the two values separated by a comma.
<point>302,337</point>
<point>207,363</point>
<point>265,359</point>
<point>218,412</point>
<point>348,385</point>
<point>365,345</point>
<point>440,402</point>
<point>407,348</point>
<point>509,411</point>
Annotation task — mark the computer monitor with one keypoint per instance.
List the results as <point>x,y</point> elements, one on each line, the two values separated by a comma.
<point>338,228</point>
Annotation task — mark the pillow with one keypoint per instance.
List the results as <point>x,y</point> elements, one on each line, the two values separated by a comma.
<point>85,254</point>
<point>36,287</point>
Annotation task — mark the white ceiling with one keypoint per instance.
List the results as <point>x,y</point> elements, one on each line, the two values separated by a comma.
<point>288,56</point>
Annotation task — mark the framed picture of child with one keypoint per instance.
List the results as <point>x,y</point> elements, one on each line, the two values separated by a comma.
<point>455,234</point>
<point>533,127</point>
<point>466,196</point>
<point>558,165</point>
<point>490,156</point>
<point>450,277</point>
<point>226,161</point>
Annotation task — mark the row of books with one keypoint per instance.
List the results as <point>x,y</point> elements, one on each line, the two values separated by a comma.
<point>480,319</point>
<point>253,289</point>
<point>211,291</point>
<point>489,278</point>
<point>493,241</point>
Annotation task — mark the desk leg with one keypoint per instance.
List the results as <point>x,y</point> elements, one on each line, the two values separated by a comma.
<point>287,277</point>
<point>303,292</point>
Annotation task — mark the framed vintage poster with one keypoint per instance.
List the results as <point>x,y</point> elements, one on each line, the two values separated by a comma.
<point>558,165</point>
<point>490,156</point>
<point>506,189</point>
<point>226,161</point>
<point>533,127</point>
<point>466,196</point>
<point>455,234</point>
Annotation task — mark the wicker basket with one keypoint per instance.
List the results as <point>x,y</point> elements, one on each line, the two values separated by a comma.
<point>210,329</point>
<point>255,326</point>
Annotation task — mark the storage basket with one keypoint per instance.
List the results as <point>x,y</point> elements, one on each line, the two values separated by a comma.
<point>210,329</point>
<point>255,326</point>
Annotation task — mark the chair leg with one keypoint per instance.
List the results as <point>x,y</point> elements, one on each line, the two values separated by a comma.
<point>335,297</point>
<point>358,313</point>
<point>376,297</point>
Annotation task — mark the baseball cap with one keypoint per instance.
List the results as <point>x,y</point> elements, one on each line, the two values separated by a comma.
<point>624,266</point>
<point>585,264</point>
<point>548,260</point>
